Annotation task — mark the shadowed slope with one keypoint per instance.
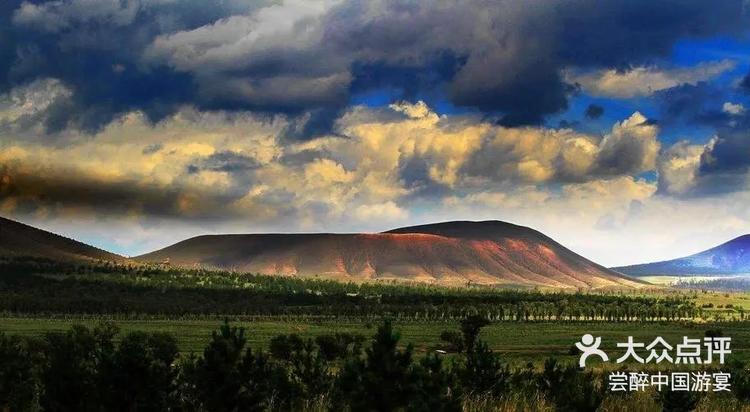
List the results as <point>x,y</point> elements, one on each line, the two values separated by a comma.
<point>451,253</point>
<point>732,257</point>
<point>18,239</point>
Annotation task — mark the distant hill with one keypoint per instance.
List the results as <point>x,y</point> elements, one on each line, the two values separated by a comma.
<point>732,257</point>
<point>18,239</point>
<point>451,253</point>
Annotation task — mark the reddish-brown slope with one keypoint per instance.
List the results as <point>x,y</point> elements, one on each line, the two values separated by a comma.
<point>449,253</point>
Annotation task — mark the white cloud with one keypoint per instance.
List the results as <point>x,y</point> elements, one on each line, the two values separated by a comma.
<point>614,222</point>
<point>31,99</point>
<point>678,167</point>
<point>219,172</point>
<point>217,165</point>
<point>644,81</point>
<point>241,40</point>
<point>59,15</point>
<point>381,212</point>
<point>733,108</point>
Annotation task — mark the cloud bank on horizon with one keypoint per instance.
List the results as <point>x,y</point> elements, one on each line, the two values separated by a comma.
<point>619,128</point>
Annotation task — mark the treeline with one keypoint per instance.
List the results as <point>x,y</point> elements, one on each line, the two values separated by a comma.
<point>732,284</point>
<point>38,286</point>
<point>88,370</point>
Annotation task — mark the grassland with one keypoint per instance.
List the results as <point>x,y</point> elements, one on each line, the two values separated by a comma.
<point>38,296</point>
<point>517,342</point>
<point>527,326</point>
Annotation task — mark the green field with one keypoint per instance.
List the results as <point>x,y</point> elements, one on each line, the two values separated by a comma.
<point>517,342</point>
<point>526,327</point>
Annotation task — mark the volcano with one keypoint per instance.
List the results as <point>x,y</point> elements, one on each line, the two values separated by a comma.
<point>450,253</point>
<point>730,258</point>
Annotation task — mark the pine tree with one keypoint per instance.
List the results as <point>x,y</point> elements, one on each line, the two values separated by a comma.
<point>380,381</point>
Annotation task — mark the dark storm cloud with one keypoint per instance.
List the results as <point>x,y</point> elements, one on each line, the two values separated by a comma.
<point>59,190</point>
<point>511,53</point>
<point>699,104</point>
<point>95,49</point>
<point>30,192</point>
<point>313,123</point>
<point>724,164</point>
<point>594,111</point>
<point>502,58</point>
<point>729,153</point>
<point>745,84</point>
<point>406,82</point>
<point>624,156</point>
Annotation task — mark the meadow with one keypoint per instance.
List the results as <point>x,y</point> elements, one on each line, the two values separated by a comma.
<point>38,295</point>
<point>523,354</point>
<point>516,342</point>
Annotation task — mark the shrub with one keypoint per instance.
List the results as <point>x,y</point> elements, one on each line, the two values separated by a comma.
<point>19,386</point>
<point>339,345</point>
<point>679,401</point>
<point>454,340</point>
<point>140,376</point>
<point>570,388</point>
<point>70,371</point>
<point>282,346</point>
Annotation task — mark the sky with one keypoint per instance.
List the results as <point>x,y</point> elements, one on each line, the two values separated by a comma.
<point>619,128</point>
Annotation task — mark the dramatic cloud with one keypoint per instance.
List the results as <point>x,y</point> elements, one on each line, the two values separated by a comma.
<point>188,173</point>
<point>95,50</point>
<point>221,166</point>
<point>725,163</point>
<point>701,104</point>
<point>165,118</point>
<point>384,167</point>
<point>542,155</point>
<point>631,148</point>
<point>678,167</point>
<point>309,58</point>
<point>720,166</point>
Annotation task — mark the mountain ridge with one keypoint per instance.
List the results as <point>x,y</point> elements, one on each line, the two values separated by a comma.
<point>450,253</point>
<point>457,252</point>
<point>729,258</point>
<point>19,239</point>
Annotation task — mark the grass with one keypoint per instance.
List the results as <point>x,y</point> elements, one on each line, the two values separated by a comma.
<point>518,342</point>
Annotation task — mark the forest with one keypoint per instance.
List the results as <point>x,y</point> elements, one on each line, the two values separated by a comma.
<point>357,366</point>
<point>40,286</point>
<point>87,369</point>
